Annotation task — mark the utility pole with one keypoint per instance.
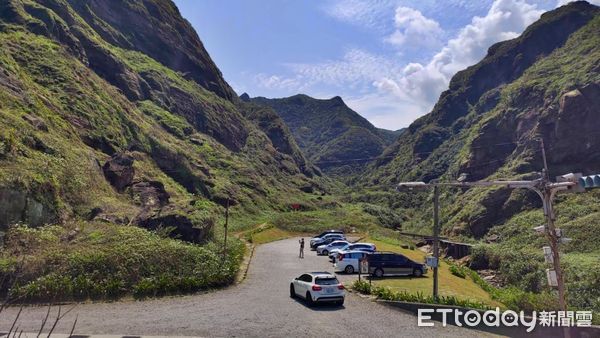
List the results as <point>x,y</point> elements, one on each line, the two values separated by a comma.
<point>226,226</point>
<point>550,231</point>
<point>546,190</point>
<point>436,239</point>
<point>436,227</point>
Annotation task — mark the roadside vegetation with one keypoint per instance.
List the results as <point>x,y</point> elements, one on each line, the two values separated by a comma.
<point>98,260</point>
<point>450,285</point>
<point>387,293</point>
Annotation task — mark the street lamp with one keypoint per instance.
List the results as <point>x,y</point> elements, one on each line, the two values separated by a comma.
<point>546,190</point>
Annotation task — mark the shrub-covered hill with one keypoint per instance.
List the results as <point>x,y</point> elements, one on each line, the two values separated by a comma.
<point>488,124</point>
<point>112,111</point>
<point>333,136</point>
<point>101,121</point>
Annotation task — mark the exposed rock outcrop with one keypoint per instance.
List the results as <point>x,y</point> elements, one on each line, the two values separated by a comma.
<point>18,206</point>
<point>119,171</point>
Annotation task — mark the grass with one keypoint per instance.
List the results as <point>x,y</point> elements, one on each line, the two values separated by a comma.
<point>449,284</point>
<point>386,293</point>
<point>265,233</point>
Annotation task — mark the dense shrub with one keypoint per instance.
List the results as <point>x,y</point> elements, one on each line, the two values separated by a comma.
<point>99,261</point>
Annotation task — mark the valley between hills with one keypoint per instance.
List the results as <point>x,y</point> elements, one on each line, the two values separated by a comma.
<point>122,148</point>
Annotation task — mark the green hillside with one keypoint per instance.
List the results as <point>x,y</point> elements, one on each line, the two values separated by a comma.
<point>334,137</point>
<point>488,125</point>
<point>101,130</point>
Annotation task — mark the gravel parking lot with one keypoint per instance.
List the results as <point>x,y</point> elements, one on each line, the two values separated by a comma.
<point>258,307</point>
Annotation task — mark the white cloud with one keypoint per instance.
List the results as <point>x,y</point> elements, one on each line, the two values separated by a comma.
<point>383,111</point>
<point>391,92</point>
<point>370,14</point>
<point>277,82</point>
<point>354,68</point>
<point>414,30</point>
<point>423,83</point>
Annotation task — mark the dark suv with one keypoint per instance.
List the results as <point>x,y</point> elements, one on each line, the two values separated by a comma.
<point>389,263</point>
<point>329,232</point>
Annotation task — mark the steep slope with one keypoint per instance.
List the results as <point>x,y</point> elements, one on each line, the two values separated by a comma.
<point>491,118</point>
<point>544,84</point>
<point>114,111</point>
<point>333,136</point>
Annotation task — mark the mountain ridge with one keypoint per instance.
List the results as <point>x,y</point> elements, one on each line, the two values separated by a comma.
<point>333,136</point>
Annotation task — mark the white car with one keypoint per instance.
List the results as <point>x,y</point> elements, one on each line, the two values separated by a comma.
<point>347,261</point>
<point>325,249</point>
<point>318,287</point>
<point>367,247</point>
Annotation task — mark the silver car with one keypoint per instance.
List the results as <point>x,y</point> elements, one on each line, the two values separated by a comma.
<point>326,248</point>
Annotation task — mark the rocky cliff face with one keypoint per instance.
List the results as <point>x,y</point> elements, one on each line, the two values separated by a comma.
<point>156,29</point>
<point>114,111</point>
<point>333,136</point>
<point>488,125</point>
<point>542,84</point>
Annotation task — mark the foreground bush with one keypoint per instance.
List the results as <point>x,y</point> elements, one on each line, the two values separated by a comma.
<point>102,261</point>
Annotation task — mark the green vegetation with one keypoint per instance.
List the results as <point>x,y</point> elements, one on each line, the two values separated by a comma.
<point>386,293</point>
<point>488,126</point>
<point>74,94</point>
<point>458,271</point>
<point>449,285</point>
<point>103,261</point>
<point>266,234</point>
<point>331,134</point>
<point>75,91</point>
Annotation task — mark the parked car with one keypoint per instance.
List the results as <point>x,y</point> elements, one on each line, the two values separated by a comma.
<point>347,261</point>
<point>329,232</point>
<point>319,236</point>
<point>325,248</point>
<point>367,247</point>
<point>318,287</point>
<point>389,263</point>
<point>326,240</point>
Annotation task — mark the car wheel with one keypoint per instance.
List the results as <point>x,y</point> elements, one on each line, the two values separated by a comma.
<point>378,273</point>
<point>292,291</point>
<point>349,269</point>
<point>309,300</point>
<point>325,253</point>
<point>339,303</point>
<point>417,273</point>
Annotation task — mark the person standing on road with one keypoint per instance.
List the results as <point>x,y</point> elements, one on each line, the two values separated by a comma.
<point>301,255</point>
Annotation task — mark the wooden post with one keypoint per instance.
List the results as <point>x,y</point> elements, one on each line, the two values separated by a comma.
<point>226,226</point>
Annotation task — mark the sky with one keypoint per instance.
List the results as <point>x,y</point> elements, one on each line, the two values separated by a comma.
<point>389,60</point>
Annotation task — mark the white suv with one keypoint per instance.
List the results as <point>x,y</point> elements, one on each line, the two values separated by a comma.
<point>348,261</point>
<point>317,287</point>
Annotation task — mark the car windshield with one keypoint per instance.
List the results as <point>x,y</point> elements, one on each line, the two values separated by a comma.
<point>327,281</point>
<point>345,246</point>
<point>338,244</point>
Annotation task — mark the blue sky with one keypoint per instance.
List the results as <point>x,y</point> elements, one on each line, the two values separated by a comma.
<point>388,59</point>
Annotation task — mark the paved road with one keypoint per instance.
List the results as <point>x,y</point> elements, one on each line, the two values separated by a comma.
<point>258,307</point>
